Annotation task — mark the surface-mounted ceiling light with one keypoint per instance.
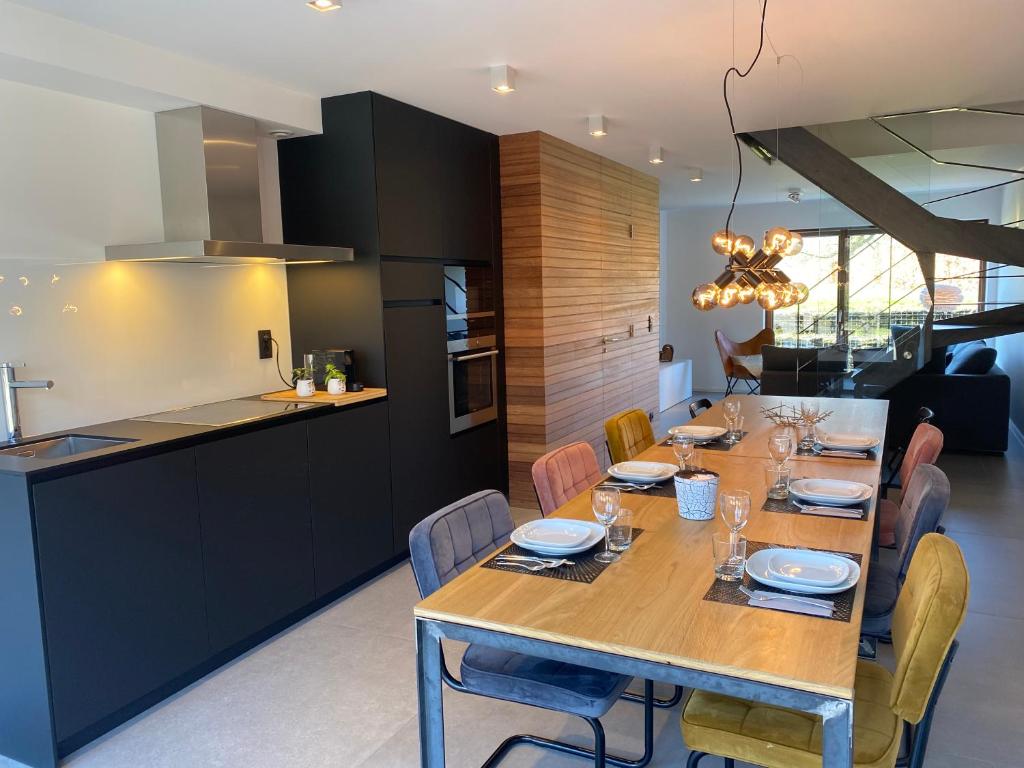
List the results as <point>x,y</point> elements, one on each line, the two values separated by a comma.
<point>597,125</point>
<point>280,133</point>
<point>656,156</point>
<point>696,175</point>
<point>503,79</point>
<point>323,5</point>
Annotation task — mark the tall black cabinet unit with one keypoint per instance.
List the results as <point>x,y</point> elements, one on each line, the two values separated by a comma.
<point>411,191</point>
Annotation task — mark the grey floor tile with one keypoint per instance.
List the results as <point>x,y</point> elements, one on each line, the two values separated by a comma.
<point>996,565</point>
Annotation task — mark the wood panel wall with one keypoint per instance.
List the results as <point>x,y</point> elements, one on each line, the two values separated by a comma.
<point>580,258</point>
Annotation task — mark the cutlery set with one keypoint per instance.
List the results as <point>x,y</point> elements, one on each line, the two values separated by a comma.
<point>532,563</point>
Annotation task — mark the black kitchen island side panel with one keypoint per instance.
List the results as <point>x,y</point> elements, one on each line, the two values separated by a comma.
<point>121,575</point>
<point>350,494</point>
<point>256,530</point>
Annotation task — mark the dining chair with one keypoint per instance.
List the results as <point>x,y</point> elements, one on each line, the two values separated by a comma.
<point>563,474</point>
<point>628,433</point>
<point>697,406</point>
<point>892,466</point>
<point>729,350</point>
<point>924,448</point>
<point>892,712</point>
<point>454,539</point>
<point>924,502</point>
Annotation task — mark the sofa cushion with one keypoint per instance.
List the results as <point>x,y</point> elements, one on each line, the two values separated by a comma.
<point>973,360</point>
<point>952,349</point>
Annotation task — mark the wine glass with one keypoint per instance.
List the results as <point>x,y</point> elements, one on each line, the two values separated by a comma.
<point>683,447</point>
<point>606,502</point>
<point>731,407</point>
<point>780,446</point>
<point>734,506</point>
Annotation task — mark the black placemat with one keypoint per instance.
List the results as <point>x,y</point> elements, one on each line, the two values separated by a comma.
<point>585,570</point>
<point>729,591</point>
<point>788,506</point>
<point>666,488</point>
<point>718,444</point>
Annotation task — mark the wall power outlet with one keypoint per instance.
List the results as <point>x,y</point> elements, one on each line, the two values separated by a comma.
<point>266,348</point>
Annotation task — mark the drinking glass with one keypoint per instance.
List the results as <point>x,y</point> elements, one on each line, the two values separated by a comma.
<point>684,447</point>
<point>734,506</point>
<point>780,446</point>
<point>777,480</point>
<point>734,427</point>
<point>729,557</point>
<point>606,502</point>
<point>620,533</point>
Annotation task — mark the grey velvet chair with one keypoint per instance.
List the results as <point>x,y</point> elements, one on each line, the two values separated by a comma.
<point>451,541</point>
<point>923,503</point>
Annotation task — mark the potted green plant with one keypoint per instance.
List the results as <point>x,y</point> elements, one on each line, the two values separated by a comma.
<point>335,380</point>
<point>303,378</point>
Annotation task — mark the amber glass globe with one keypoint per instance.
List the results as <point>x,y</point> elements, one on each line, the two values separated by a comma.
<point>744,246</point>
<point>769,296</point>
<point>802,292</point>
<point>729,296</point>
<point>776,240</point>
<point>705,297</point>
<point>722,242</point>
<point>796,244</point>
<point>747,293</point>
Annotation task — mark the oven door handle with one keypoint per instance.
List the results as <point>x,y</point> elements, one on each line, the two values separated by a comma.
<point>477,356</point>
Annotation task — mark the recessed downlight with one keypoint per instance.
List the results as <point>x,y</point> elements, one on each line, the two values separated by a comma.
<point>503,79</point>
<point>597,125</point>
<point>656,155</point>
<point>323,5</point>
<point>281,133</point>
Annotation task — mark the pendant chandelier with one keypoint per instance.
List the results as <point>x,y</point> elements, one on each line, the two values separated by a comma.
<point>751,272</point>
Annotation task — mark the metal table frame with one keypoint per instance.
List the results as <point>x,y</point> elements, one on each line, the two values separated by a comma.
<point>837,713</point>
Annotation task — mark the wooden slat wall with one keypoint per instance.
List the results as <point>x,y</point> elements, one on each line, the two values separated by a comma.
<point>573,275</point>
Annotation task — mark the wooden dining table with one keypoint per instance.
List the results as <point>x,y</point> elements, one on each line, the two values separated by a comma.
<point>647,616</point>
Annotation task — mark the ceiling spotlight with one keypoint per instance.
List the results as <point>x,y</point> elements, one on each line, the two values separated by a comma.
<point>794,195</point>
<point>324,5</point>
<point>696,175</point>
<point>597,125</point>
<point>503,79</point>
<point>656,156</point>
<point>280,133</point>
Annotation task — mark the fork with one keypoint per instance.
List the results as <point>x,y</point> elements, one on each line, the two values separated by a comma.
<point>527,566</point>
<point>635,486</point>
<point>773,596</point>
<point>550,561</point>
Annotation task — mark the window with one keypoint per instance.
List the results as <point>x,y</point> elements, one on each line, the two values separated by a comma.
<point>883,286</point>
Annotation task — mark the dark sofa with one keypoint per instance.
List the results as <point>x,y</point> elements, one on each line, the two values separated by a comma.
<point>803,371</point>
<point>971,409</point>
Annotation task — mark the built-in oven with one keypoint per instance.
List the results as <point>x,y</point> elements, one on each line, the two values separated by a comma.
<point>472,346</point>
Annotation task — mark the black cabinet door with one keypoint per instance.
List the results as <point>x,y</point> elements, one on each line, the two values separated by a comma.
<point>257,540</point>
<point>350,491</point>
<point>467,191</point>
<point>408,179</point>
<point>422,480</point>
<point>121,573</point>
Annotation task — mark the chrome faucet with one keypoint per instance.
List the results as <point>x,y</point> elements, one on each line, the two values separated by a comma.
<point>9,387</point>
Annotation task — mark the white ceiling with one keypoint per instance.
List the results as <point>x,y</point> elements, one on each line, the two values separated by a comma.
<point>654,67</point>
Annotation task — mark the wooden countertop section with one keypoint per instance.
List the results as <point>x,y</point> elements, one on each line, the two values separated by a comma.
<point>322,398</point>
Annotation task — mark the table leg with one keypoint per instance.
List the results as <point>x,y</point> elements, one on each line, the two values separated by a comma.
<point>837,736</point>
<point>431,708</point>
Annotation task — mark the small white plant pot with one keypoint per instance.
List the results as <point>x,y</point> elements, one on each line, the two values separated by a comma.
<point>336,387</point>
<point>696,494</point>
<point>305,388</point>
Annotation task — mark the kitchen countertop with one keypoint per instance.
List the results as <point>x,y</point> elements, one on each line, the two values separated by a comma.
<point>151,437</point>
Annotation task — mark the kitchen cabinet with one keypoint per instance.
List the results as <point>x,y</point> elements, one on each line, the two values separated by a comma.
<point>423,470</point>
<point>121,575</point>
<point>350,494</point>
<point>257,537</point>
<point>468,185</point>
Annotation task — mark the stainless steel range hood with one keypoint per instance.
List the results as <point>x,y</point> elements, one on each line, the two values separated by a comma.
<point>209,184</point>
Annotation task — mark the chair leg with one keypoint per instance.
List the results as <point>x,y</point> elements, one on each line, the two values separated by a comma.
<point>671,701</point>
<point>696,757</point>
<point>730,382</point>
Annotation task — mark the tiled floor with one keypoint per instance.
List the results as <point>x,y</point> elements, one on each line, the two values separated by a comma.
<point>338,690</point>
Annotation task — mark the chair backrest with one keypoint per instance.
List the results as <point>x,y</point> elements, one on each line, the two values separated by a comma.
<point>699,405</point>
<point>628,434</point>
<point>922,505</point>
<point>929,611</point>
<point>727,348</point>
<point>564,473</point>
<point>924,448</point>
<point>453,539</point>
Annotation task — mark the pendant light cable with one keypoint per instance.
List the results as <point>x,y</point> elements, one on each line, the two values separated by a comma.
<point>728,109</point>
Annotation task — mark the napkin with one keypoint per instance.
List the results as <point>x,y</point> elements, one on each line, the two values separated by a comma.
<point>781,603</point>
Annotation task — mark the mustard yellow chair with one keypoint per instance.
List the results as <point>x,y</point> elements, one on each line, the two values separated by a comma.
<point>628,433</point>
<point>928,614</point>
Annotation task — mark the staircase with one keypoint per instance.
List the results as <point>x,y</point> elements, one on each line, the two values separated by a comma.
<point>872,373</point>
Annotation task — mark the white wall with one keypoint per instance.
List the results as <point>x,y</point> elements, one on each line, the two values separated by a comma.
<point>78,174</point>
<point>687,260</point>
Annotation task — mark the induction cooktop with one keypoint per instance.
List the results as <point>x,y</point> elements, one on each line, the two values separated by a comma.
<point>224,413</point>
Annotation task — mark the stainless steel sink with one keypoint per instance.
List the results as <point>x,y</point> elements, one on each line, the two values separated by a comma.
<point>62,447</point>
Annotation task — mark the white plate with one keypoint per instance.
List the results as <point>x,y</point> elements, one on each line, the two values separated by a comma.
<point>555,532</point>
<point>831,492</point>
<point>839,441</point>
<point>597,533</point>
<point>642,471</point>
<point>757,567</point>
<point>801,566</point>
<point>697,432</point>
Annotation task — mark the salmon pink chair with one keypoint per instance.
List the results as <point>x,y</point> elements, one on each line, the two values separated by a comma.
<point>924,448</point>
<point>564,473</point>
